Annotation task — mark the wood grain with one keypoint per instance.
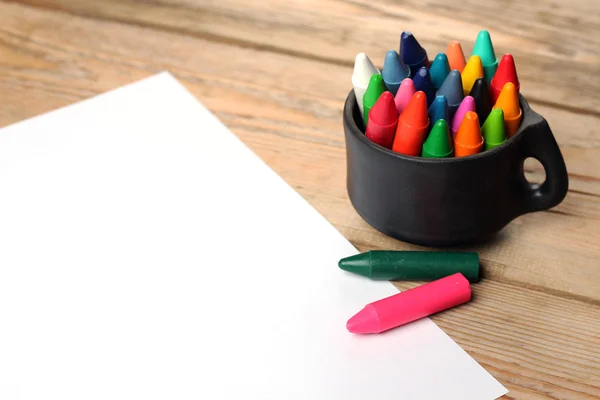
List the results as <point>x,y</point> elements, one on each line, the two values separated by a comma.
<point>277,73</point>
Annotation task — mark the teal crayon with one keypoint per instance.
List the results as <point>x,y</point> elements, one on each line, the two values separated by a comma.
<point>412,265</point>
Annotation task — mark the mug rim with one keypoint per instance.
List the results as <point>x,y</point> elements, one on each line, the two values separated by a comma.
<point>349,120</point>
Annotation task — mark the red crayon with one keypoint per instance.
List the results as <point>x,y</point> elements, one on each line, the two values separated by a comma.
<point>383,120</point>
<point>413,126</point>
<point>506,72</point>
<point>411,305</point>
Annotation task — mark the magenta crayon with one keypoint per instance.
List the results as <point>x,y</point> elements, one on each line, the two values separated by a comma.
<point>411,305</point>
<point>405,93</point>
<point>383,121</point>
<point>468,104</point>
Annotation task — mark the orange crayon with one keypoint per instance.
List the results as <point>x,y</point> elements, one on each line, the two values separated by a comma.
<point>468,139</point>
<point>508,101</point>
<point>413,126</point>
<point>456,57</point>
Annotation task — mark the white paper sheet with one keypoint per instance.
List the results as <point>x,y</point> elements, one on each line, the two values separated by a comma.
<point>146,253</point>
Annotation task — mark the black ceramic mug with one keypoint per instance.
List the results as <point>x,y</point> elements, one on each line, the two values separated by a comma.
<point>442,202</point>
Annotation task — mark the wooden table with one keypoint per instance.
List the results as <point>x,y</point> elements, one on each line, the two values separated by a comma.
<point>277,73</point>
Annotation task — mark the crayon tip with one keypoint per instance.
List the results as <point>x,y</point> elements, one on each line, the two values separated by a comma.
<point>375,88</point>
<point>452,88</point>
<point>493,130</point>
<point>365,321</point>
<point>439,70</point>
<point>439,109</point>
<point>411,52</point>
<point>384,111</point>
<point>483,100</point>
<point>473,71</point>
<point>508,101</point>
<point>438,143</point>
<point>359,264</point>
<point>456,57</point>
<point>485,50</point>
<point>415,113</point>
<point>467,105</point>
<point>506,72</point>
<point>422,81</point>
<point>394,71</point>
<point>363,70</point>
<point>405,93</point>
<point>468,139</point>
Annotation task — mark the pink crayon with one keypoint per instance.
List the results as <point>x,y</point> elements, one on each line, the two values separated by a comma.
<point>411,305</point>
<point>468,104</point>
<point>404,94</point>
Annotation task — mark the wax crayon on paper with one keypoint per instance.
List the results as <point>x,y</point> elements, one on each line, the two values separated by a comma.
<point>456,57</point>
<point>394,71</point>
<point>405,93</point>
<point>452,89</point>
<point>483,100</point>
<point>439,70</point>
<point>468,104</point>
<point>363,70</point>
<point>423,83</point>
<point>383,121</point>
<point>493,131</point>
<point>411,305</point>
<point>468,139</point>
<point>485,50</point>
<point>438,144</point>
<point>412,53</point>
<point>506,72</point>
<point>473,71</point>
<point>413,126</point>
<point>374,90</point>
<point>439,110</point>
<point>508,101</point>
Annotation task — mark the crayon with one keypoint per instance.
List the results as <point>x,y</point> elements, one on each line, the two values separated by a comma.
<point>485,50</point>
<point>473,71</point>
<point>483,100</point>
<point>468,104</point>
<point>493,131</point>
<point>412,126</point>
<point>383,121</point>
<point>508,101</point>
<point>405,93</point>
<point>439,70</point>
<point>438,145</point>
<point>506,72</point>
<point>456,57</point>
<point>411,305</point>
<point>394,71</point>
<point>412,53</point>
<point>428,266</point>
<point>452,89</point>
<point>374,90</point>
<point>422,81</point>
<point>363,70</point>
<point>439,110</point>
<point>468,139</point>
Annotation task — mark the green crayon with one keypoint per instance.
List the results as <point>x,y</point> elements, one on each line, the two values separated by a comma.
<point>374,90</point>
<point>412,265</point>
<point>485,50</point>
<point>493,129</point>
<point>439,142</point>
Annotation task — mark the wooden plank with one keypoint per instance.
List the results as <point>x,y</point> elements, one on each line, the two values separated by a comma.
<point>290,118</point>
<point>338,29</point>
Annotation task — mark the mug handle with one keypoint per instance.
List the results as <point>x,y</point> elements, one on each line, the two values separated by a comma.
<point>538,142</point>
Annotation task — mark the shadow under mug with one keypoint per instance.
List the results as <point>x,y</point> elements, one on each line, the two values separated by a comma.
<point>451,201</point>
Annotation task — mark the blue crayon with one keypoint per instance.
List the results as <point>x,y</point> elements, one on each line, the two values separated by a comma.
<point>412,54</point>
<point>439,70</point>
<point>423,83</point>
<point>394,71</point>
<point>453,90</point>
<point>439,110</point>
